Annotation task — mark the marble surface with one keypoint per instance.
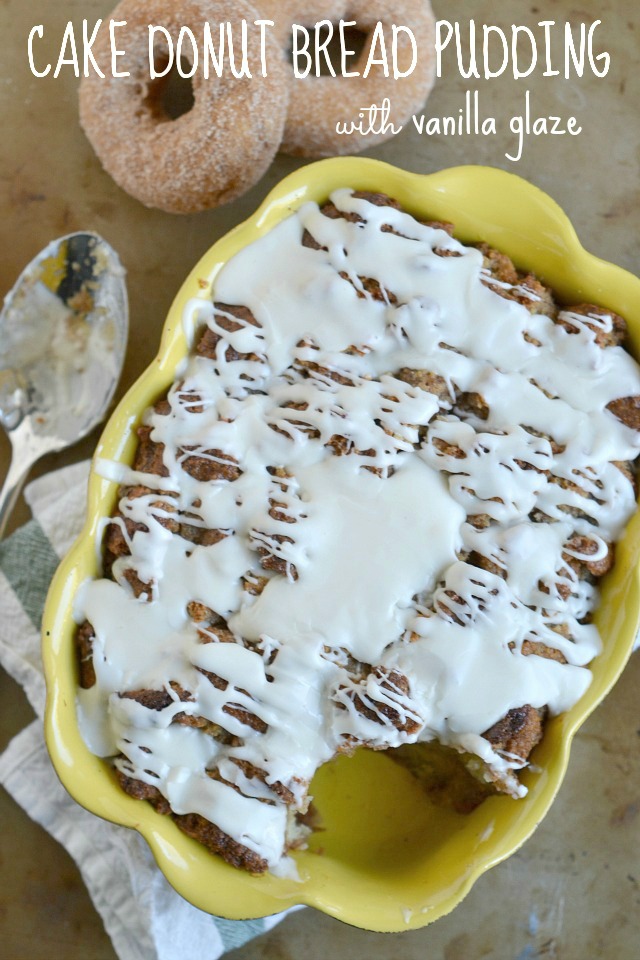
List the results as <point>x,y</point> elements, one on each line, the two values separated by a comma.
<point>573,891</point>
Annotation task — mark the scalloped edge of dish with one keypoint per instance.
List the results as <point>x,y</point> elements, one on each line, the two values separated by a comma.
<point>484,203</point>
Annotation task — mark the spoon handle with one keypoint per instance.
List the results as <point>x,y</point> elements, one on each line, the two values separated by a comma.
<point>26,448</point>
<point>11,488</point>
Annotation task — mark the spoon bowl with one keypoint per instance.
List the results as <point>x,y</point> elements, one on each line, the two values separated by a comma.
<point>63,335</point>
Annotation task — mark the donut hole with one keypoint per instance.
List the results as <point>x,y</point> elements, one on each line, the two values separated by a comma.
<point>354,40</point>
<point>172,96</point>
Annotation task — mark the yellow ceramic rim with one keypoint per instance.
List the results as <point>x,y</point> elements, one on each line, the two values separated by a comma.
<point>366,879</point>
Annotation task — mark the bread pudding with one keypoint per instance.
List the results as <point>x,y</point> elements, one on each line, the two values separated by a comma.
<point>370,512</point>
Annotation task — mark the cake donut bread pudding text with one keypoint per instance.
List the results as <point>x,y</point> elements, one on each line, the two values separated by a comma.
<point>370,512</point>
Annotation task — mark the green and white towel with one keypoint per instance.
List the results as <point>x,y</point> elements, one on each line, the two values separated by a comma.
<point>145,918</point>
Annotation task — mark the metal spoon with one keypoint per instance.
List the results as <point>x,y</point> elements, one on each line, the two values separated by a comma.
<point>63,334</point>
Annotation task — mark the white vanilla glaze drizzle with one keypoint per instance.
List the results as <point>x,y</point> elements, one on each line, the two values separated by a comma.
<point>374,559</point>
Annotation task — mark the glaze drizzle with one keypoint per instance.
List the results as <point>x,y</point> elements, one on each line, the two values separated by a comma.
<point>401,474</point>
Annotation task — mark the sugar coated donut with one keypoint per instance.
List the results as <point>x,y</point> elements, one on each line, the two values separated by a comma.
<point>319,104</point>
<point>212,153</point>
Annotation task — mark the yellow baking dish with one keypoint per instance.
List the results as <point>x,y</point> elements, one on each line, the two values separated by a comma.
<point>386,860</point>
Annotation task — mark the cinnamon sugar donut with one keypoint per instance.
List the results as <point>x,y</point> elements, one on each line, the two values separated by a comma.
<point>207,156</point>
<point>317,104</point>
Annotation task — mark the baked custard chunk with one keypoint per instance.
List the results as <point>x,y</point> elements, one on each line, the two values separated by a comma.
<point>370,512</point>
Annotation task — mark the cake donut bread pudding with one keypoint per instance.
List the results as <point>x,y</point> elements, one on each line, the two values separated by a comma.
<point>211,154</point>
<point>370,512</point>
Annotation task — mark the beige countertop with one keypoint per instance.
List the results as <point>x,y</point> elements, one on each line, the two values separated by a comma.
<point>573,890</point>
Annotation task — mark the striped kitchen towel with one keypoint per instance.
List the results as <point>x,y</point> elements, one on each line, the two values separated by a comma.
<point>145,918</point>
